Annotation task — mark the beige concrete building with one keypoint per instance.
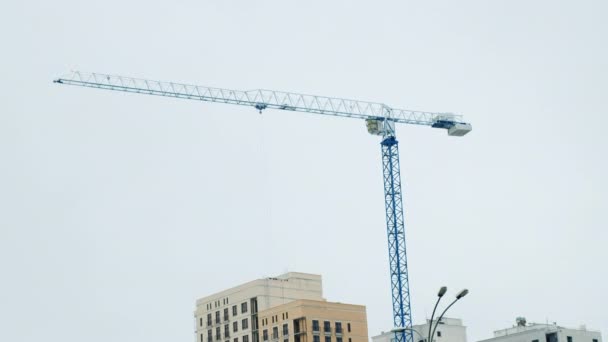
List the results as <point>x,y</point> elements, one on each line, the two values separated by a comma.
<point>231,315</point>
<point>314,321</point>
<point>286,308</point>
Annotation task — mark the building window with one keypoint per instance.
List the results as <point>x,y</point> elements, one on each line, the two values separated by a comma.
<point>217,317</point>
<point>338,339</point>
<point>235,326</point>
<point>236,339</point>
<point>201,337</point>
<point>327,327</point>
<point>227,330</point>
<point>226,314</point>
<point>209,320</point>
<point>246,338</point>
<point>218,333</point>
<point>595,340</point>
<point>209,335</point>
<point>439,335</point>
<point>315,326</point>
<point>234,313</point>
<point>569,338</point>
<point>244,324</point>
<point>534,340</point>
<point>244,307</point>
<point>286,340</point>
<point>287,315</point>
<point>200,321</point>
<point>254,305</point>
<point>285,329</point>
<point>265,335</point>
<point>316,338</point>
<point>348,328</point>
<point>338,327</point>
<point>328,338</point>
<point>275,333</point>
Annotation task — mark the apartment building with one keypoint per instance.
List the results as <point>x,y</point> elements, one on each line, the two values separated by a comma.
<point>314,321</point>
<point>232,315</point>
<point>286,308</point>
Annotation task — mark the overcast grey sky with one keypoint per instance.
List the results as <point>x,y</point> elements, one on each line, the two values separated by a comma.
<point>119,210</point>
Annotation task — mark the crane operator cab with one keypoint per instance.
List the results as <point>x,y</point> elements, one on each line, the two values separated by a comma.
<point>380,127</point>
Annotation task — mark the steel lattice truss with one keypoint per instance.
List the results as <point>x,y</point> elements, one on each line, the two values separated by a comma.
<point>259,98</point>
<point>400,289</point>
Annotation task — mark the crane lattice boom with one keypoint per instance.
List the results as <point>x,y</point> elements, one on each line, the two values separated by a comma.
<point>261,99</point>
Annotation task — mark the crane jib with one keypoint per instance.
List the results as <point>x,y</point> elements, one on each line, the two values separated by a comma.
<point>268,99</point>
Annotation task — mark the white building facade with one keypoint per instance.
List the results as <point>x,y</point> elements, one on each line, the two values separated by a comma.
<point>231,315</point>
<point>448,330</point>
<point>535,332</point>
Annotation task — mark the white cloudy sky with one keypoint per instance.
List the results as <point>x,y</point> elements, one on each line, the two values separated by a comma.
<point>119,210</point>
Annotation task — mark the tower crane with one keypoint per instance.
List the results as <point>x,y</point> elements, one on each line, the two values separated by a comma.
<point>380,120</point>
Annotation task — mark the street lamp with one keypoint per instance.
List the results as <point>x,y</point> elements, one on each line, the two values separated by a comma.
<point>440,294</point>
<point>459,295</point>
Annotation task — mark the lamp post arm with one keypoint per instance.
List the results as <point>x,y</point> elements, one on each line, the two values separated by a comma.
<point>431,322</point>
<point>440,317</point>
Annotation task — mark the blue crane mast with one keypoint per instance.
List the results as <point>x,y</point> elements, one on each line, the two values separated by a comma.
<point>380,120</point>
